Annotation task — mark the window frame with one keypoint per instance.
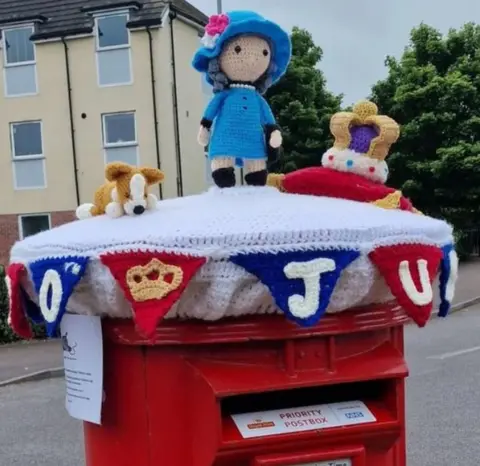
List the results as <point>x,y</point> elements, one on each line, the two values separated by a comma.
<point>4,46</point>
<point>29,188</point>
<point>102,50</point>
<point>104,15</point>
<point>11,66</point>
<point>110,145</point>
<point>12,141</point>
<point>21,216</point>
<point>19,158</point>
<point>116,145</point>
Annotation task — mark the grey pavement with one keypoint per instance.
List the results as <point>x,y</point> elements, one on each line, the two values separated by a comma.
<point>468,283</point>
<point>26,358</point>
<point>442,391</point>
<point>35,429</point>
<point>442,404</point>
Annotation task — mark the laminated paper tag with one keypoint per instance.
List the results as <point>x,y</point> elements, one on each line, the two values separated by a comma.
<point>284,421</point>
<point>83,359</point>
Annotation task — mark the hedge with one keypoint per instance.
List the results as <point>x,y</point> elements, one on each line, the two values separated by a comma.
<point>6,334</point>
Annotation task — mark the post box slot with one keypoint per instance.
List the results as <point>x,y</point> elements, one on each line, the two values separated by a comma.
<point>373,391</point>
<point>375,396</point>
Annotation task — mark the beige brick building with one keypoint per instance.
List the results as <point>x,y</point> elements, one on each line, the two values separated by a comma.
<point>89,82</point>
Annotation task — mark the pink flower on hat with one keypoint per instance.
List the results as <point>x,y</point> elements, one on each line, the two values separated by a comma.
<point>217,24</point>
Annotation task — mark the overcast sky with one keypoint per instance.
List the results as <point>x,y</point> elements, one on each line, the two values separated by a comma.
<point>357,35</point>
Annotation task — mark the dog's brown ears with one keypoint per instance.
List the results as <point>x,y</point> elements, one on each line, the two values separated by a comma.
<point>115,170</point>
<point>152,175</point>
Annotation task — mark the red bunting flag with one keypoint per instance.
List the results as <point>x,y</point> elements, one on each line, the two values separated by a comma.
<point>409,271</point>
<point>17,318</point>
<point>152,282</point>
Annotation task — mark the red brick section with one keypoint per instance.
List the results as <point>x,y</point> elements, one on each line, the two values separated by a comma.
<point>9,231</point>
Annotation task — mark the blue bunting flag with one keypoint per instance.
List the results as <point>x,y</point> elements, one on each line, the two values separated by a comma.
<point>301,282</point>
<point>448,279</point>
<point>55,279</point>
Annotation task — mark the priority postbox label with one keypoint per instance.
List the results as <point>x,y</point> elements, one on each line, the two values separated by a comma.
<point>283,421</point>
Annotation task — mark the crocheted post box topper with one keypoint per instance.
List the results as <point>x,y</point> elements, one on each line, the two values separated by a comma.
<point>274,250</point>
<point>125,192</point>
<point>242,55</point>
<point>355,167</point>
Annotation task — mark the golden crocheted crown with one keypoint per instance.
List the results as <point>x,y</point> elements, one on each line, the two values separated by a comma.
<point>362,141</point>
<point>364,131</point>
<point>151,281</point>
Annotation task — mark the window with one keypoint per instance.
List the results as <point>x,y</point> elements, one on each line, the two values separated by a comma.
<point>29,225</point>
<point>27,155</point>
<point>120,138</point>
<point>113,50</point>
<point>19,62</point>
<point>112,31</point>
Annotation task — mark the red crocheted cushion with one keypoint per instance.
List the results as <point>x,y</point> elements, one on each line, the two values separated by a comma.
<point>405,204</point>
<point>322,181</point>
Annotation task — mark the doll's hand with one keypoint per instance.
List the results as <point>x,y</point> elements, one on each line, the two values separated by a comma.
<point>276,139</point>
<point>203,137</point>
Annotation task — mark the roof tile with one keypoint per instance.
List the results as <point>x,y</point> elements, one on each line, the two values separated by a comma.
<point>55,18</point>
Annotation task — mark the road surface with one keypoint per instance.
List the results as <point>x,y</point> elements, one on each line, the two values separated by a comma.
<point>443,399</point>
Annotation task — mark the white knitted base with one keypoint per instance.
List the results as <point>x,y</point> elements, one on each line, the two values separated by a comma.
<point>220,223</point>
<point>347,160</point>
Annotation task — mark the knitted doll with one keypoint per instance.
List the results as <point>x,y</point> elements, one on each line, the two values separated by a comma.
<point>124,193</point>
<point>243,54</point>
<point>355,167</point>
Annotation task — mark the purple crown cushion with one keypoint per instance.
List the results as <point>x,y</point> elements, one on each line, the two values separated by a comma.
<point>361,138</point>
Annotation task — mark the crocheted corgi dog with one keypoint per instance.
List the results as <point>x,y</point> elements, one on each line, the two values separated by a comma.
<point>125,192</point>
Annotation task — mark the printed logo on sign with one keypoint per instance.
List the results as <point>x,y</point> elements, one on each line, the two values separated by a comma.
<point>70,349</point>
<point>259,424</point>
<point>354,415</point>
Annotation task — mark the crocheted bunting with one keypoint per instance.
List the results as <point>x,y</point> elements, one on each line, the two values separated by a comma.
<point>17,318</point>
<point>152,282</point>
<point>448,279</point>
<point>55,280</point>
<point>409,271</point>
<point>301,282</point>
<point>32,310</point>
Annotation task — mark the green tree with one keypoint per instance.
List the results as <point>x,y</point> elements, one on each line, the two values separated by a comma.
<point>6,333</point>
<point>433,91</point>
<point>303,106</point>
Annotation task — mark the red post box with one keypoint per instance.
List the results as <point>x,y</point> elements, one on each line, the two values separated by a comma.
<point>173,403</point>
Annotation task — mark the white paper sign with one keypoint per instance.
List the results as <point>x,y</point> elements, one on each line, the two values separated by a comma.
<point>83,360</point>
<point>283,421</point>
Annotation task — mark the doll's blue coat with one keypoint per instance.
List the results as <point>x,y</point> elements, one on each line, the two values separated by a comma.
<point>239,116</point>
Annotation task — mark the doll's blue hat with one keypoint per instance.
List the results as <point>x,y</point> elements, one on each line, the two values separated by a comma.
<point>221,28</point>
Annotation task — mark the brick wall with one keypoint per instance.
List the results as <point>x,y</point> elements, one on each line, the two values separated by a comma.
<point>9,230</point>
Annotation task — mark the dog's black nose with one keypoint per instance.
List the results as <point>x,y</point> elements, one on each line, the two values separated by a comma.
<point>138,210</point>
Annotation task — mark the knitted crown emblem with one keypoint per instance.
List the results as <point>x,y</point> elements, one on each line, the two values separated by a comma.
<point>154,280</point>
<point>364,131</point>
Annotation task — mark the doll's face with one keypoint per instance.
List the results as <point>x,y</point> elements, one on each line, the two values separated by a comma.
<point>245,58</point>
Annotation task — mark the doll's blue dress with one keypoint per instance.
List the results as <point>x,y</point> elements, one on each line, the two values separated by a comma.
<point>239,117</point>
